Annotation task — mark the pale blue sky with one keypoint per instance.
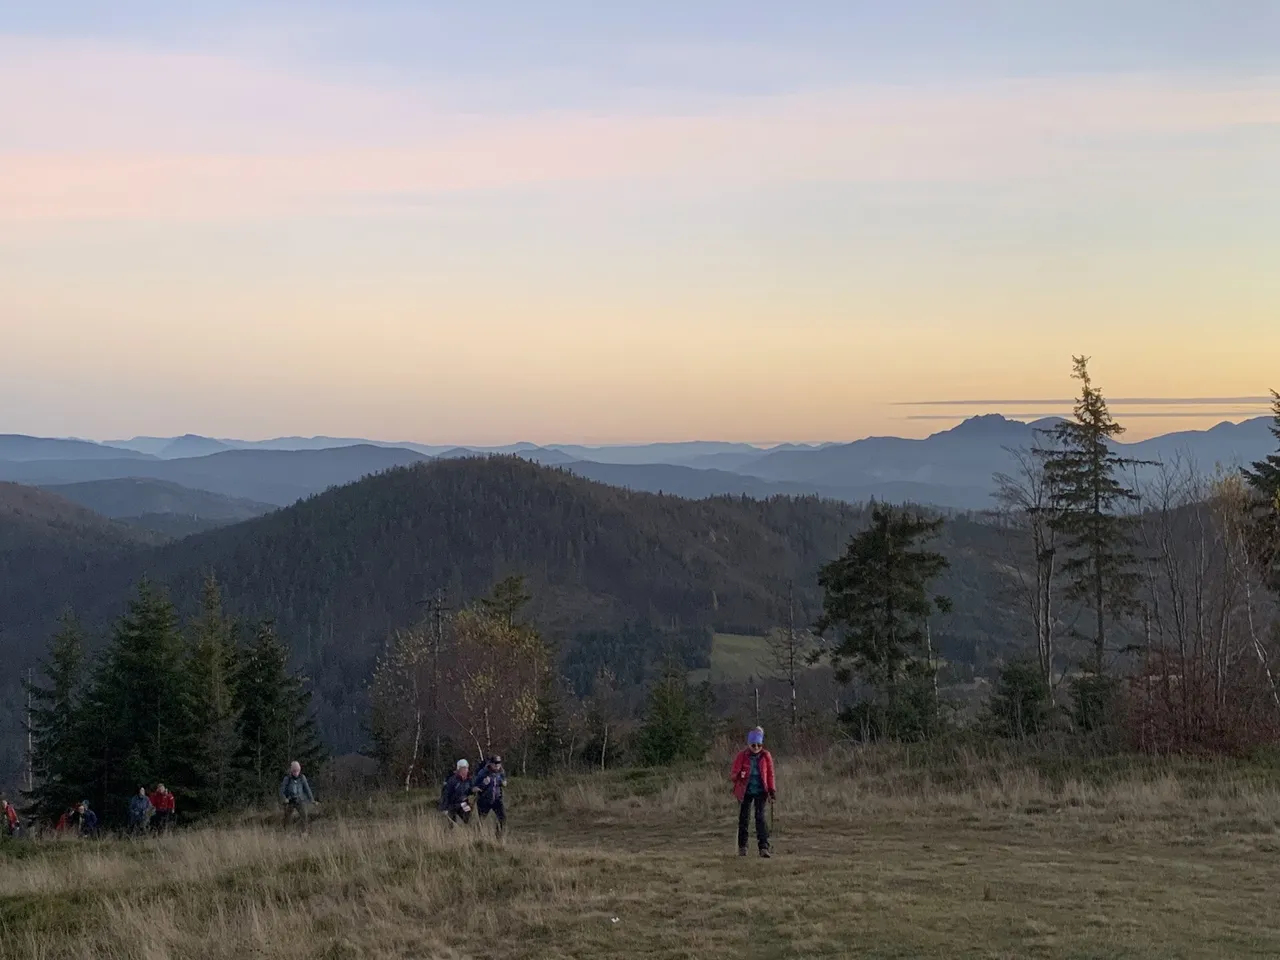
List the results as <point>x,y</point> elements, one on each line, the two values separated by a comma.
<point>590,221</point>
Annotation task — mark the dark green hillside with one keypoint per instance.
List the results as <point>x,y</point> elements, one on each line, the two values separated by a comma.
<point>342,569</point>
<point>44,537</point>
<point>46,544</point>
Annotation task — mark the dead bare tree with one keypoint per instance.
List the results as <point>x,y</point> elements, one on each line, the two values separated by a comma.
<point>788,652</point>
<point>1206,679</point>
<point>604,710</point>
<point>401,698</point>
<point>1026,508</point>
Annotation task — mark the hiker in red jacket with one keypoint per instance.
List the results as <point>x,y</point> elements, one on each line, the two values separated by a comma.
<point>165,807</point>
<point>753,785</point>
<point>10,818</point>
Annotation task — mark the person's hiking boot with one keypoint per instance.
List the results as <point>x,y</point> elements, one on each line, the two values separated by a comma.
<point>764,852</point>
<point>742,851</point>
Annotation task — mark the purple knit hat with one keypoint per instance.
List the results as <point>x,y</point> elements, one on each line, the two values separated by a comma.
<point>755,736</point>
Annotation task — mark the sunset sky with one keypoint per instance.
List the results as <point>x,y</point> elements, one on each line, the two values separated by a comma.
<point>600,222</point>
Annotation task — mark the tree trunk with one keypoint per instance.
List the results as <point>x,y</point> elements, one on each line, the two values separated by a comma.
<point>1100,645</point>
<point>417,742</point>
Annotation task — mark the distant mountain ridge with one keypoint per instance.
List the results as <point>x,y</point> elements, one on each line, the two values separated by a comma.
<point>16,447</point>
<point>139,501</point>
<point>276,477</point>
<point>951,468</point>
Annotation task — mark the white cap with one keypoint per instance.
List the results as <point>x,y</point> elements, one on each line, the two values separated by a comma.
<point>463,763</point>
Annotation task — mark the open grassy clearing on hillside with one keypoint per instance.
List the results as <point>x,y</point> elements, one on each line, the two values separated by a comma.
<point>735,658</point>
<point>983,862</point>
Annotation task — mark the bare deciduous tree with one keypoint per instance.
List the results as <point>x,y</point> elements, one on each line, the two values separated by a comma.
<point>1207,678</point>
<point>789,650</point>
<point>1026,508</point>
<point>493,674</point>
<point>400,694</point>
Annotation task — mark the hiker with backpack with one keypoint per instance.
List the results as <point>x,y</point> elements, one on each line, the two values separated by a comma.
<point>455,797</point>
<point>489,782</point>
<point>296,795</point>
<point>754,786</point>
<point>88,820</point>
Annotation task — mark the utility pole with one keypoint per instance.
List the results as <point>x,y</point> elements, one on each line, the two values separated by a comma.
<point>31,773</point>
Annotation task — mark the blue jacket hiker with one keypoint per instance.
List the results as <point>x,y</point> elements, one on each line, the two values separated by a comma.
<point>455,798</point>
<point>489,782</point>
<point>140,811</point>
<point>88,820</point>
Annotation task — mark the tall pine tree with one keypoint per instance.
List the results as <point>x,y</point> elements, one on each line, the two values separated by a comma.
<point>1083,469</point>
<point>275,726</point>
<point>877,597</point>
<point>59,760</point>
<point>211,680</point>
<point>137,712</point>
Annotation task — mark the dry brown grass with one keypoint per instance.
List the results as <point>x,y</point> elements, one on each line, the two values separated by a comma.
<point>1009,863</point>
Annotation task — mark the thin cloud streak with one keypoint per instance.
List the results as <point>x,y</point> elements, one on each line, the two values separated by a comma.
<point>1143,414</point>
<point>1113,401</point>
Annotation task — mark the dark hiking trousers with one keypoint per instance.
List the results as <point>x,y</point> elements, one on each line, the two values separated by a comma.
<point>499,812</point>
<point>295,810</point>
<point>762,827</point>
<point>457,814</point>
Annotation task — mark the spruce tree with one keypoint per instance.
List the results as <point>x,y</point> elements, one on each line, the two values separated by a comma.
<point>877,597</point>
<point>137,711</point>
<point>1265,475</point>
<point>59,760</point>
<point>275,724</point>
<point>676,725</point>
<point>1264,480</point>
<point>508,598</point>
<point>1083,470</point>
<point>1020,705</point>
<point>211,675</point>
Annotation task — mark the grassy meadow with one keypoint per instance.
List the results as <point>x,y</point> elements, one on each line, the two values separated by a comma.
<point>876,856</point>
<point>736,658</point>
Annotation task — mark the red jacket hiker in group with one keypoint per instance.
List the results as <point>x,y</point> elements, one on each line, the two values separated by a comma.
<point>163,801</point>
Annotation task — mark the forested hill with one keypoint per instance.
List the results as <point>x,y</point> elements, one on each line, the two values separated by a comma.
<point>45,538</point>
<point>342,569</point>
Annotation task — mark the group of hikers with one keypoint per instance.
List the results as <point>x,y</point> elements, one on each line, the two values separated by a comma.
<point>486,785</point>
<point>752,776</point>
<point>78,819</point>
<point>464,793</point>
<point>156,810</point>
